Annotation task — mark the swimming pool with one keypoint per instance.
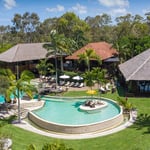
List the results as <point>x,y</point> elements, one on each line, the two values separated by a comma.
<point>2,100</point>
<point>63,114</point>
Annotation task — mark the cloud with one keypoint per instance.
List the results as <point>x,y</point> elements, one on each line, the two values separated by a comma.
<point>58,8</point>
<point>114,3</point>
<point>9,4</point>
<point>80,9</point>
<point>119,11</point>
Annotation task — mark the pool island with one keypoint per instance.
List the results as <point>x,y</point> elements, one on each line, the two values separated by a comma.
<point>93,106</point>
<point>64,115</point>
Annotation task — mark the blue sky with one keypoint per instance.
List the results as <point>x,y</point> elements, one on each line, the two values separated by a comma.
<point>83,8</point>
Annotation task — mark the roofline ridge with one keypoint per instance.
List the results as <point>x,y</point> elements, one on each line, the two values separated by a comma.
<point>138,68</point>
<point>16,51</point>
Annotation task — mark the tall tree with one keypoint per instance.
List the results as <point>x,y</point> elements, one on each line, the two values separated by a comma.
<point>74,28</point>
<point>25,25</point>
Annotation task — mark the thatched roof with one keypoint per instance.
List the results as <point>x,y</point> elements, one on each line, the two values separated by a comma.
<point>102,49</point>
<point>137,68</point>
<point>24,52</point>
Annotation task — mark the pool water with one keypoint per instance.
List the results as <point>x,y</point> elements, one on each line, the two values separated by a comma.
<point>2,100</point>
<point>68,113</point>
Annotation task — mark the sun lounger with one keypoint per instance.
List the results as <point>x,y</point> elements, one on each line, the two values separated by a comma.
<point>71,84</point>
<point>102,90</point>
<point>81,85</point>
<point>108,87</point>
<point>76,84</point>
<point>67,84</point>
<point>61,83</point>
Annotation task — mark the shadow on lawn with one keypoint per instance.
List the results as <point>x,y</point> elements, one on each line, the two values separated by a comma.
<point>143,120</point>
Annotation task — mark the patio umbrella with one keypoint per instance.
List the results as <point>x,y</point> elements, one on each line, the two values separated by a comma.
<point>77,78</point>
<point>64,77</point>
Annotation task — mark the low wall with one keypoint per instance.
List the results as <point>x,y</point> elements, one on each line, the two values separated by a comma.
<point>101,126</point>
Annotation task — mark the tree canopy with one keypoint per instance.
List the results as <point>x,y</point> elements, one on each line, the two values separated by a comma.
<point>129,34</point>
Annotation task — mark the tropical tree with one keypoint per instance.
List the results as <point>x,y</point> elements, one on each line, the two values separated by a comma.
<point>19,86</point>
<point>59,45</point>
<point>4,85</point>
<point>89,79</point>
<point>25,26</point>
<point>72,27</point>
<point>44,67</point>
<point>6,76</point>
<point>87,56</point>
<point>99,75</point>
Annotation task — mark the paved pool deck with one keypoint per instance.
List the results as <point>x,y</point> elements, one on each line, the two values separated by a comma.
<point>25,125</point>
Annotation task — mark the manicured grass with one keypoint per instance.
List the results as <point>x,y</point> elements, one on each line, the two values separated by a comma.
<point>136,137</point>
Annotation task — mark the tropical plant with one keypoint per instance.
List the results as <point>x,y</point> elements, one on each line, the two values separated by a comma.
<point>89,79</point>
<point>99,75</point>
<point>87,56</point>
<point>50,146</point>
<point>44,67</point>
<point>4,85</point>
<point>19,86</point>
<point>5,77</point>
<point>127,106</point>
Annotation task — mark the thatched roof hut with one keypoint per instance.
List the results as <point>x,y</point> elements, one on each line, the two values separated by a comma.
<point>24,52</point>
<point>137,68</point>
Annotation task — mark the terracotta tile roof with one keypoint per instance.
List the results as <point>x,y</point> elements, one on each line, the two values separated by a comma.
<point>102,49</point>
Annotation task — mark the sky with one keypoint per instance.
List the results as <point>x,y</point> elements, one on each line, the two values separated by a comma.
<point>82,8</point>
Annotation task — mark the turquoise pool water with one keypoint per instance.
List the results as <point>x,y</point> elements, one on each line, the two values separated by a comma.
<point>2,99</point>
<point>66,112</point>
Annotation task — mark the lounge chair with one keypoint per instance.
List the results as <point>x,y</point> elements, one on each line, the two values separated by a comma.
<point>81,85</point>
<point>108,87</point>
<point>68,83</point>
<point>61,83</point>
<point>76,84</point>
<point>71,84</point>
<point>102,90</point>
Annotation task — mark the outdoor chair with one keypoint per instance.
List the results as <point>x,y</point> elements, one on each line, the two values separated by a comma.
<point>81,85</point>
<point>76,84</point>
<point>108,87</point>
<point>71,84</point>
<point>61,83</point>
<point>102,90</point>
<point>68,83</point>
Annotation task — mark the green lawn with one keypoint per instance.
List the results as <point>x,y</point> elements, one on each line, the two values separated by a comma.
<point>136,137</point>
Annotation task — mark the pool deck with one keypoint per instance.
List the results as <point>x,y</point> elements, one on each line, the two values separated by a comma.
<point>25,125</point>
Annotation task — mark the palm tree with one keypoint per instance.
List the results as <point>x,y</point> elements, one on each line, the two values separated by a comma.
<point>58,46</point>
<point>87,56</point>
<point>99,75</point>
<point>89,79</point>
<point>16,87</point>
<point>44,67</point>
<point>5,77</point>
<point>21,86</point>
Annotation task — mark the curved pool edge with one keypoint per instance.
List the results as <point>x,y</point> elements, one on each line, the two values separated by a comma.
<point>78,129</point>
